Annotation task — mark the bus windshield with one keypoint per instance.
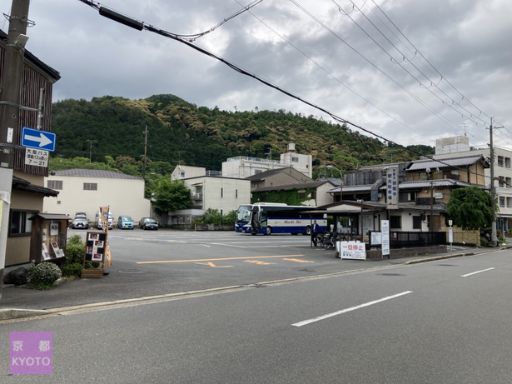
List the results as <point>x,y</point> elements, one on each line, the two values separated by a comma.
<point>244,213</point>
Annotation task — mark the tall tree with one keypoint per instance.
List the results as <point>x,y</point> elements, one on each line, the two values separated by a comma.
<point>470,208</point>
<point>170,196</point>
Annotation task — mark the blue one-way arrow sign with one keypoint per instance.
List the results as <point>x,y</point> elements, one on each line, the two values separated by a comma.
<point>32,138</point>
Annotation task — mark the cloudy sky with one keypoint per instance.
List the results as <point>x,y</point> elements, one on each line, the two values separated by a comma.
<point>409,70</point>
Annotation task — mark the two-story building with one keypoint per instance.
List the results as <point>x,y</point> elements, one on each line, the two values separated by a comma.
<point>413,196</point>
<point>21,177</point>
<point>86,190</point>
<point>224,194</point>
<point>458,146</point>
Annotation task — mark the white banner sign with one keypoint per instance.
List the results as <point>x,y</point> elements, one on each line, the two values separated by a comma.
<point>384,228</point>
<point>352,250</point>
<point>36,157</point>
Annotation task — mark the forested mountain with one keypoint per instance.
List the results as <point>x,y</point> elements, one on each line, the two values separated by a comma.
<point>182,132</point>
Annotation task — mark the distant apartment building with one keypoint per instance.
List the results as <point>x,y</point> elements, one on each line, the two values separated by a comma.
<point>243,167</point>
<point>458,146</point>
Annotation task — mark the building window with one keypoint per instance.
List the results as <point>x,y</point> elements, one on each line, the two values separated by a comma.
<point>236,193</point>
<point>509,202</point>
<point>502,201</point>
<point>500,161</point>
<point>54,184</point>
<point>395,222</point>
<point>295,159</point>
<point>507,162</point>
<point>508,182</point>
<point>221,193</point>
<point>20,223</point>
<point>416,222</point>
<point>90,186</point>
<point>501,181</point>
<point>182,174</point>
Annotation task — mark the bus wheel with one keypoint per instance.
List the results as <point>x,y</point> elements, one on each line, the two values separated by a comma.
<point>268,231</point>
<point>308,230</point>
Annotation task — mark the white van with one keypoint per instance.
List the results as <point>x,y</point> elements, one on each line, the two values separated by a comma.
<point>99,222</point>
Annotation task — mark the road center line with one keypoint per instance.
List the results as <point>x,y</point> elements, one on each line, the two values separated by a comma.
<point>474,273</point>
<point>216,259</point>
<point>323,317</point>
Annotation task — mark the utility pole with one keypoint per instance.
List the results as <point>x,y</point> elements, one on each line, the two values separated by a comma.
<point>91,142</point>
<point>10,98</point>
<point>145,151</point>
<point>494,237</point>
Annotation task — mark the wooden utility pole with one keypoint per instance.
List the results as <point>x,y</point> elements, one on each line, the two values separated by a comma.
<point>10,98</point>
<point>145,151</point>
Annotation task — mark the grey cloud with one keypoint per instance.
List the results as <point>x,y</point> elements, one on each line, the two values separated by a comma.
<point>97,57</point>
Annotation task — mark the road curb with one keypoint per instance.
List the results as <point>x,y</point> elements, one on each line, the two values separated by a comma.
<point>434,258</point>
<point>17,313</point>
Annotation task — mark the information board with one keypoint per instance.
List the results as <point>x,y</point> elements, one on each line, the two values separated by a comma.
<point>384,229</point>
<point>354,250</point>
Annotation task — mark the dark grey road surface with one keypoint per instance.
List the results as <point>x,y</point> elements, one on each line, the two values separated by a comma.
<point>441,322</point>
<point>184,261</point>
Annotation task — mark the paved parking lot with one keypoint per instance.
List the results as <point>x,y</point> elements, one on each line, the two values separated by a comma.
<point>147,263</point>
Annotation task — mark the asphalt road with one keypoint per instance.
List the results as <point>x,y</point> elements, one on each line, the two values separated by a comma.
<point>439,322</point>
<point>147,263</point>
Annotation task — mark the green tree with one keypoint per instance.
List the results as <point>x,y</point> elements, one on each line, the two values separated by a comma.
<point>471,208</point>
<point>171,195</point>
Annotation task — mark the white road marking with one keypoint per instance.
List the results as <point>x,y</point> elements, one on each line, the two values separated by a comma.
<point>323,317</point>
<point>205,245</point>
<point>474,273</point>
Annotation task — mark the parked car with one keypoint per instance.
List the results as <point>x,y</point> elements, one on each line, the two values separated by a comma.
<point>125,222</point>
<point>99,224</point>
<point>80,222</point>
<point>148,223</point>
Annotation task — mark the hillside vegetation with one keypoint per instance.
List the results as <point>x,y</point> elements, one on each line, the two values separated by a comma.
<point>112,127</point>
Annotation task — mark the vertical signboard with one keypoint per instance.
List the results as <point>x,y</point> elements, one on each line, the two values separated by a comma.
<point>384,228</point>
<point>392,187</point>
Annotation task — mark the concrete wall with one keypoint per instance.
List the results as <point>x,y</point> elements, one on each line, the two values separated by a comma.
<point>124,196</point>
<point>322,195</point>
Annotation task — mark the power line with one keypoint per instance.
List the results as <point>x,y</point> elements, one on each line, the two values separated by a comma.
<point>337,36</point>
<point>195,36</point>
<point>452,102</point>
<point>325,70</point>
<point>137,25</point>
<point>442,77</point>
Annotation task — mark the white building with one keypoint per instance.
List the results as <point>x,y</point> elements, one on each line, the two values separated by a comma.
<point>224,194</point>
<point>243,167</point>
<point>502,173</point>
<point>302,163</point>
<point>186,171</point>
<point>85,190</point>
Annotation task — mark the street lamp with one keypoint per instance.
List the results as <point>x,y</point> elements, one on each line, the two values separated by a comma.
<point>330,166</point>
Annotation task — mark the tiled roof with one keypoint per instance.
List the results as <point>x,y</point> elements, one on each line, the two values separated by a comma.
<point>444,163</point>
<point>97,173</point>
<point>288,187</point>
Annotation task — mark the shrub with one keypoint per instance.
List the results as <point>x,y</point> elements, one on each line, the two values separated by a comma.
<point>75,250</point>
<point>43,275</point>
<point>73,269</point>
